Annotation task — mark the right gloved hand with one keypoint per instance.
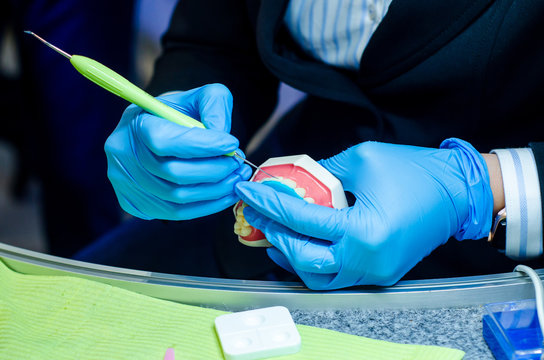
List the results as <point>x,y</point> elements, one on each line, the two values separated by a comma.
<point>162,170</point>
<point>409,200</point>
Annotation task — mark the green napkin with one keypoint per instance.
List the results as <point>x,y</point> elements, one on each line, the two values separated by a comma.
<point>64,317</point>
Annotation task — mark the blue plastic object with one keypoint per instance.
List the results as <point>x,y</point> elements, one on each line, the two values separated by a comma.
<point>512,330</point>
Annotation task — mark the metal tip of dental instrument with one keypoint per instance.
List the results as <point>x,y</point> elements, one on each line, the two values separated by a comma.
<point>253,165</point>
<point>63,53</point>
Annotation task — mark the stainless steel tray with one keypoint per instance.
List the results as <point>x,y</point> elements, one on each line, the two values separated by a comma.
<point>234,295</point>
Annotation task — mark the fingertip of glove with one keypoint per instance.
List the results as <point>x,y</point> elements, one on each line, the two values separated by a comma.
<point>215,90</point>
<point>240,188</point>
<point>251,216</point>
<point>245,172</point>
<point>223,139</point>
<point>244,189</point>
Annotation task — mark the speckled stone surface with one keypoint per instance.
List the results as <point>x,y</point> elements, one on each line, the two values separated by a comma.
<point>459,328</point>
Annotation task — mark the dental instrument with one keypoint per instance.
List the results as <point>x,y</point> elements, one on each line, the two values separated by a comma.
<point>118,85</point>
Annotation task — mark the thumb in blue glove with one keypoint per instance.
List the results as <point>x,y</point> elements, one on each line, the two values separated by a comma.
<point>409,200</point>
<point>162,170</point>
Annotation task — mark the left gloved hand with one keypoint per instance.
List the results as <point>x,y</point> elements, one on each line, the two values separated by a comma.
<point>409,200</point>
<point>162,170</point>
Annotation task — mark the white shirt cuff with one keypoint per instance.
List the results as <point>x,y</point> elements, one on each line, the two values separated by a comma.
<point>523,203</point>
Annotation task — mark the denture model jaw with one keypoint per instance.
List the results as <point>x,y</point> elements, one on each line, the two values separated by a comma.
<point>299,176</point>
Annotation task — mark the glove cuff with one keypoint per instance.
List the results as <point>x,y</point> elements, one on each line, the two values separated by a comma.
<point>480,198</point>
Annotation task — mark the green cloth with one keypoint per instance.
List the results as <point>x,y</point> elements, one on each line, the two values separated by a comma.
<point>64,317</point>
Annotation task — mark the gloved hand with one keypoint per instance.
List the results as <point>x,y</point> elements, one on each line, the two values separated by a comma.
<point>162,170</point>
<point>409,200</point>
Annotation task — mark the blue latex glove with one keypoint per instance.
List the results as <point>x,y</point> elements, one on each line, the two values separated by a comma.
<point>409,200</point>
<point>162,170</point>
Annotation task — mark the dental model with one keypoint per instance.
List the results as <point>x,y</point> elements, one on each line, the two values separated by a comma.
<point>297,175</point>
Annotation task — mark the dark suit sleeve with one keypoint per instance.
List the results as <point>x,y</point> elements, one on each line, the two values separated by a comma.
<point>213,41</point>
<point>538,152</point>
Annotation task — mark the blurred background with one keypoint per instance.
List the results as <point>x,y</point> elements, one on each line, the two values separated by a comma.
<point>21,190</point>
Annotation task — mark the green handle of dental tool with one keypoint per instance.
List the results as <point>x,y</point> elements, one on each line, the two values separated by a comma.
<point>118,85</point>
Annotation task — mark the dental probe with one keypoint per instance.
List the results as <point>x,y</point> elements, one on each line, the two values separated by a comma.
<point>118,85</point>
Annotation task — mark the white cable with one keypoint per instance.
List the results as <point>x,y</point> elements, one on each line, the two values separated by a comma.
<point>539,292</point>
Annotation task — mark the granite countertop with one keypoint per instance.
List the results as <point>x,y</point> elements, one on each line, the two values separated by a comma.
<point>459,328</point>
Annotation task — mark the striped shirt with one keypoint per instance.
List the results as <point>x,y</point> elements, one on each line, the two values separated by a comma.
<point>523,203</point>
<point>335,31</point>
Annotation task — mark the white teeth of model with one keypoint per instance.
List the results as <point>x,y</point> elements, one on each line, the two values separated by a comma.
<point>240,229</point>
<point>241,226</point>
<point>237,228</point>
<point>245,231</point>
<point>300,192</point>
<point>289,182</point>
<point>277,178</point>
<point>240,209</point>
<point>309,200</point>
